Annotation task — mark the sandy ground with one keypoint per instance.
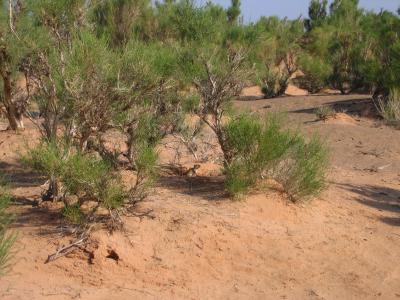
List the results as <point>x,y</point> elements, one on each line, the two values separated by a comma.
<point>197,244</point>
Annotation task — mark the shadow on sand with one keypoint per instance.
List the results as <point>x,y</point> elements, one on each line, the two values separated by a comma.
<point>210,188</point>
<point>381,198</point>
<point>351,107</point>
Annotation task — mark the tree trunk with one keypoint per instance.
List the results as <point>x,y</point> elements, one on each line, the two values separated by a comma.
<point>52,193</point>
<point>15,117</point>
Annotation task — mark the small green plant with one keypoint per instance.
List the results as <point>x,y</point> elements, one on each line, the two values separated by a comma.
<point>265,150</point>
<point>302,173</point>
<point>325,112</point>
<point>73,214</point>
<point>112,195</point>
<point>46,158</point>
<point>239,179</point>
<point>274,84</point>
<point>389,108</point>
<point>6,240</point>
<point>147,173</point>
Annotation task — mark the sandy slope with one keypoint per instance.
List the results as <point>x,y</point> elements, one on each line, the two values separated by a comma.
<point>196,244</point>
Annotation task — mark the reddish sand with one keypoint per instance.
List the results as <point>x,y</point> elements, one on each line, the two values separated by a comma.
<point>197,244</point>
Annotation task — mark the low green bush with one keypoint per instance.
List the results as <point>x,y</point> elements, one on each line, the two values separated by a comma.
<point>316,73</point>
<point>84,175</point>
<point>73,214</point>
<point>274,84</point>
<point>46,158</point>
<point>264,150</point>
<point>302,172</point>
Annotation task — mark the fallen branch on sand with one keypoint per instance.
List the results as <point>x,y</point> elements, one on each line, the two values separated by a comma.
<point>66,249</point>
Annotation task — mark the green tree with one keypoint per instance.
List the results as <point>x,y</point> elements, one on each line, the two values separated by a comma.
<point>233,12</point>
<point>317,12</point>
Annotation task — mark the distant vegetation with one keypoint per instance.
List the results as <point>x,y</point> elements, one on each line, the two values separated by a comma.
<point>137,67</point>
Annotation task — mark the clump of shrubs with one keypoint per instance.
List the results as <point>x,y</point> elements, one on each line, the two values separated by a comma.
<point>6,240</point>
<point>262,149</point>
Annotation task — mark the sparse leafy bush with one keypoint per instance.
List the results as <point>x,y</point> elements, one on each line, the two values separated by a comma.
<point>6,239</point>
<point>84,173</point>
<point>73,214</point>
<point>265,150</point>
<point>76,173</point>
<point>302,173</point>
<point>147,173</point>
<point>274,84</point>
<point>316,73</point>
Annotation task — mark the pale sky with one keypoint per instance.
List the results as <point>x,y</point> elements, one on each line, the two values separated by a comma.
<point>253,9</point>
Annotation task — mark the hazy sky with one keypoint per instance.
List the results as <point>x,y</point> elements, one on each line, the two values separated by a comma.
<point>253,9</point>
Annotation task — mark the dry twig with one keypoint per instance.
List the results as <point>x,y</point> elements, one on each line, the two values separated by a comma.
<point>67,249</point>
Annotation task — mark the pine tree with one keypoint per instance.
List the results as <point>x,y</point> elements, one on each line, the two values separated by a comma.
<point>234,12</point>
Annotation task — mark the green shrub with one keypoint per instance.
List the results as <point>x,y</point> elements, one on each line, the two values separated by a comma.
<point>6,240</point>
<point>389,108</point>
<point>147,172</point>
<point>46,158</point>
<point>112,195</point>
<point>239,179</point>
<point>274,84</point>
<point>316,73</point>
<point>302,172</point>
<point>83,175</point>
<point>73,214</point>
<point>264,149</point>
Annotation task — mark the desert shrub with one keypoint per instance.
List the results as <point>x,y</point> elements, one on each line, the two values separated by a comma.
<point>147,173</point>
<point>256,147</point>
<point>46,158</point>
<point>6,240</point>
<point>239,179</point>
<point>218,79</point>
<point>73,214</point>
<point>274,84</point>
<point>316,73</point>
<point>83,173</point>
<point>389,108</point>
<point>80,174</point>
<point>325,112</point>
<point>264,149</point>
<point>302,173</point>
